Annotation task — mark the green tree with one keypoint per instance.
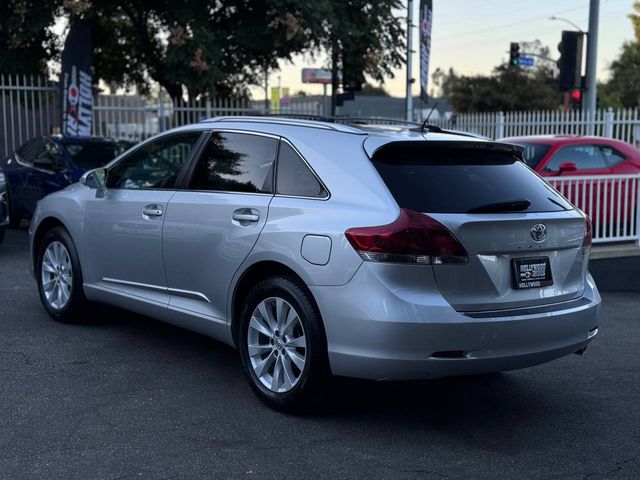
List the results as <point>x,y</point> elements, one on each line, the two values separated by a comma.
<point>623,87</point>
<point>508,88</point>
<point>26,41</point>
<point>635,20</point>
<point>201,46</point>
<point>362,37</point>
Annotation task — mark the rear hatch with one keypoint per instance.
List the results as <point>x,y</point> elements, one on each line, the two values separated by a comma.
<point>525,242</point>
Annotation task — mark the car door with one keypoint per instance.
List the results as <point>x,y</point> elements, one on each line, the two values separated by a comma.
<point>212,225</point>
<point>588,160</point>
<point>49,172</point>
<point>22,180</point>
<point>123,226</point>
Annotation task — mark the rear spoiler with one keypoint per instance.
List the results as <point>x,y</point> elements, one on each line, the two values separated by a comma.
<point>419,146</point>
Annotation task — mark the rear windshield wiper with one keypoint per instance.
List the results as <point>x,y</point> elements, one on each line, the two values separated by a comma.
<point>557,203</point>
<point>518,205</point>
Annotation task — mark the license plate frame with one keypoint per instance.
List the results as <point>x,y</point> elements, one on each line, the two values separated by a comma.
<point>531,272</point>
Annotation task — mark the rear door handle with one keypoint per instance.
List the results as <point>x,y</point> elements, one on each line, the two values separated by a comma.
<point>245,216</point>
<point>152,211</point>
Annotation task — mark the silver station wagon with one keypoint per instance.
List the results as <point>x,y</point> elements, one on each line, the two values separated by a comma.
<point>320,249</point>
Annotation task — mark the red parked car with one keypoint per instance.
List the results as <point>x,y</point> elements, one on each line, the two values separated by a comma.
<point>571,155</point>
<point>610,201</point>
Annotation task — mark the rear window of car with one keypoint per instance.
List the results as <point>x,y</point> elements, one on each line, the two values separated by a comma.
<point>449,178</point>
<point>88,156</point>
<point>533,153</point>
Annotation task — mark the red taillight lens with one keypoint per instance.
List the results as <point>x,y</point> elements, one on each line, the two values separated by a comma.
<point>588,234</point>
<point>412,238</point>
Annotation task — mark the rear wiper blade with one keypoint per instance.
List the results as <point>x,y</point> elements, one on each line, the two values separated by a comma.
<point>518,205</point>
<point>557,203</point>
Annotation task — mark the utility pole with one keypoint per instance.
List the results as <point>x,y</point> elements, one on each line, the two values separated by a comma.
<point>592,53</point>
<point>409,65</point>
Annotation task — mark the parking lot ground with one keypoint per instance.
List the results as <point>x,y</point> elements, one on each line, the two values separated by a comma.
<point>126,397</point>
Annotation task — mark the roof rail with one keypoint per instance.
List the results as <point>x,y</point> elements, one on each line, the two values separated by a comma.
<point>321,122</point>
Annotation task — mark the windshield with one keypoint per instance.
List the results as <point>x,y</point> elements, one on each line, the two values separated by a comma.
<point>433,179</point>
<point>88,155</point>
<point>533,152</point>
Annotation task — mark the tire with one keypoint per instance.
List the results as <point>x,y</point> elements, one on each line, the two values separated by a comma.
<point>2,232</point>
<point>60,252</point>
<point>294,389</point>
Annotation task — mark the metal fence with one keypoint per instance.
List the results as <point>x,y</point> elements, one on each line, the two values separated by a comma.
<point>609,123</point>
<point>610,201</point>
<point>29,107</point>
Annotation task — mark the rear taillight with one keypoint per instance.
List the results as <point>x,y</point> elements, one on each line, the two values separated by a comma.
<point>588,235</point>
<point>412,238</point>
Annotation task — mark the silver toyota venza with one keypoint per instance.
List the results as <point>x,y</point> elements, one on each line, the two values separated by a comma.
<point>320,249</point>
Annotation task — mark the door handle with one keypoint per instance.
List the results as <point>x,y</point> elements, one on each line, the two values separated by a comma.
<point>245,217</point>
<point>152,211</point>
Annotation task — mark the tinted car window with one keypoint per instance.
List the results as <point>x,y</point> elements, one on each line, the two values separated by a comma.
<point>584,156</point>
<point>155,165</point>
<point>236,162</point>
<point>611,155</point>
<point>88,155</point>
<point>435,179</point>
<point>31,150</point>
<point>534,152</point>
<point>294,176</point>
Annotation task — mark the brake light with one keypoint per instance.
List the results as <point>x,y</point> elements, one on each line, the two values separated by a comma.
<point>412,238</point>
<point>588,235</point>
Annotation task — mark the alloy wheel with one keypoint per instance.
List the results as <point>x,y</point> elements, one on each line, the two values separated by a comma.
<point>56,275</point>
<point>277,344</point>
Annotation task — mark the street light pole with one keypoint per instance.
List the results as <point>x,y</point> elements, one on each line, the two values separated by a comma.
<point>592,54</point>
<point>409,65</point>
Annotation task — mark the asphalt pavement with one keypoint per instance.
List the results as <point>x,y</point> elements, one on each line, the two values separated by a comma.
<point>126,397</point>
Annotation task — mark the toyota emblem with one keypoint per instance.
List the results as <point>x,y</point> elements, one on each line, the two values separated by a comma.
<point>539,232</point>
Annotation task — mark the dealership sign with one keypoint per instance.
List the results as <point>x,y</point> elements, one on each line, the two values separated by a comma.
<point>426,23</point>
<point>75,79</point>
<point>316,75</point>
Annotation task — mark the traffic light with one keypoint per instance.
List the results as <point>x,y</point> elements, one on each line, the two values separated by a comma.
<point>576,99</point>
<point>514,54</point>
<point>570,62</point>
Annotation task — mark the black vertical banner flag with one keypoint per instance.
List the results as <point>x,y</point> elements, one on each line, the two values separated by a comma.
<point>75,80</point>
<point>426,23</point>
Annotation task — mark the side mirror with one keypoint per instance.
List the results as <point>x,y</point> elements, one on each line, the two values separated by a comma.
<point>567,167</point>
<point>96,180</point>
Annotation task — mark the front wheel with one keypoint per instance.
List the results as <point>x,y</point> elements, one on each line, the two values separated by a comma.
<point>282,345</point>
<point>59,277</point>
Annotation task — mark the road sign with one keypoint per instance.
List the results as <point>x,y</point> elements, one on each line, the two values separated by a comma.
<point>525,61</point>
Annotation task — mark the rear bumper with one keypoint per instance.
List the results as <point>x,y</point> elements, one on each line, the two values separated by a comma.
<point>377,332</point>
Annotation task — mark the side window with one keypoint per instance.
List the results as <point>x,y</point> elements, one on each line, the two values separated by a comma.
<point>31,150</point>
<point>584,156</point>
<point>236,162</point>
<point>611,155</point>
<point>294,177</point>
<point>54,153</point>
<point>155,165</point>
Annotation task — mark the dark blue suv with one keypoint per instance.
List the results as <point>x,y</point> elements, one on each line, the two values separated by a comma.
<point>46,164</point>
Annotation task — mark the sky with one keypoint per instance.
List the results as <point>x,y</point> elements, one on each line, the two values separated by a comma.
<point>473,36</point>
